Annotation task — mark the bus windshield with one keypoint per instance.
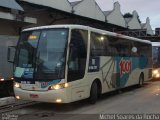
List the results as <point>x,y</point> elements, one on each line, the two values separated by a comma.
<point>156,56</point>
<point>41,53</point>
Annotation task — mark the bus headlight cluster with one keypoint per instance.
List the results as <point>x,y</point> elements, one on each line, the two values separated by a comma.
<point>59,100</point>
<point>1,79</point>
<point>156,73</point>
<point>58,86</point>
<point>17,85</point>
<point>12,78</point>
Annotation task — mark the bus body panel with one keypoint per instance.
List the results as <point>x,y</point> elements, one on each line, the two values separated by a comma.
<point>47,96</point>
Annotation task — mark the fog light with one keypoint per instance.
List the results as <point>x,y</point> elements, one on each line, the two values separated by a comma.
<point>18,97</point>
<point>157,75</point>
<point>59,100</point>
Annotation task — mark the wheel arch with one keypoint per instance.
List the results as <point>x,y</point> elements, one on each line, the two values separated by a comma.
<point>99,85</point>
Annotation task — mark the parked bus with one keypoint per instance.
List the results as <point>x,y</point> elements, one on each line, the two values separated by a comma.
<point>67,63</point>
<point>156,59</point>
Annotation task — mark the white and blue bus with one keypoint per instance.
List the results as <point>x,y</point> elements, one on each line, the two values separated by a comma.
<point>67,63</point>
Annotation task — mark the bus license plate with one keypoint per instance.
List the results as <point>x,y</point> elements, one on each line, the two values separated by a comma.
<point>34,96</point>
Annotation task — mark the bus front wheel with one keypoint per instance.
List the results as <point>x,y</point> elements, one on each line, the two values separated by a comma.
<point>93,93</point>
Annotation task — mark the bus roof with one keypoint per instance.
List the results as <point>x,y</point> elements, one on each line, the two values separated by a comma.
<point>87,28</point>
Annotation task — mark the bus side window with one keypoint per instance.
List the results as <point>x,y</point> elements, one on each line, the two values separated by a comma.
<point>77,55</point>
<point>98,45</point>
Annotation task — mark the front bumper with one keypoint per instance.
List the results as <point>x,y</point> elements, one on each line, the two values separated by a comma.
<point>50,96</point>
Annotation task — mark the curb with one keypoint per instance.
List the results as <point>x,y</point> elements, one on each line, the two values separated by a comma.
<point>7,100</point>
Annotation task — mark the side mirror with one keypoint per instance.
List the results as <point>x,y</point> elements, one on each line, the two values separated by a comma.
<point>11,53</point>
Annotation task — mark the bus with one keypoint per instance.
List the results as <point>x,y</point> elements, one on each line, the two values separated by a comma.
<point>156,60</point>
<point>67,63</point>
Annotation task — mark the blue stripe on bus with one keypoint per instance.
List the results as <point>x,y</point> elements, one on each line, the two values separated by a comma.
<point>125,65</point>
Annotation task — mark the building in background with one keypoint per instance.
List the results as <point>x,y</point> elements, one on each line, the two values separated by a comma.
<point>12,18</point>
<point>62,5</point>
<point>75,13</point>
<point>30,13</point>
<point>147,26</point>
<point>115,16</point>
<point>133,22</point>
<point>88,8</point>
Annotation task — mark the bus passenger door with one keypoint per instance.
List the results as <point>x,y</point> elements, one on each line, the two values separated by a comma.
<point>77,63</point>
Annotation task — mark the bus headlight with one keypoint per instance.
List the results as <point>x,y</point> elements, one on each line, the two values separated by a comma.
<point>59,100</point>
<point>2,79</point>
<point>157,75</point>
<point>12,78</point>
<point>58,86</point>
<point>155,72</point>
<point>17,85</point>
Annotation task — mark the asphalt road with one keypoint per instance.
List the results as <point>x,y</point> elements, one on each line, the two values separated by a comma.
<point>129,104</point>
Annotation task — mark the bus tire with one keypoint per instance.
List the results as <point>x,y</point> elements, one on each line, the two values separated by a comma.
<point>93,93</point>
<point>141,80</point>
